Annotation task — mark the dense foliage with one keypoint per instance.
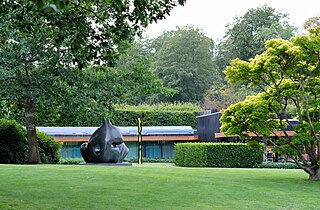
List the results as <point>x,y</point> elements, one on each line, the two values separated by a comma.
<point>220,96</point>
<point>184,62</point>
<point>71,161</point>
<point>227,155</point>
<point>246,35</point>
<point>176,107</point>
<point>287,165</point>
<point>137,79</point>
<point>87,95</point>
<point>312,22</point>
<point>40,44</point>
<point>288,74</point>
<point>14,144</point>
<point>156,115</point>
<point>49,148</point>
<point>244,38</point>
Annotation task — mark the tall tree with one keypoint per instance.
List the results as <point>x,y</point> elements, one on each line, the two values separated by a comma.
<point>136,76</point>
<point>184,63</point>
<point>152,46</point>
<point>246,35</point>
<point>244,38</point>
<point>312,22</point>
<point>38,43</point>
<point>288,72</point>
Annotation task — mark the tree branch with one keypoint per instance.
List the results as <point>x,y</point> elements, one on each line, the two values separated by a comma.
<point>88,10</point>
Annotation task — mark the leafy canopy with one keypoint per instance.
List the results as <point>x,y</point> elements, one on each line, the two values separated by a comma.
<point>45,43</point>
<point>288,74</point>
<point>244,38</point>
<point>183,60</point>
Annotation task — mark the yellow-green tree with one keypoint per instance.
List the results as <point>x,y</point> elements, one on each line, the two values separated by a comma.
<point>288,73</point>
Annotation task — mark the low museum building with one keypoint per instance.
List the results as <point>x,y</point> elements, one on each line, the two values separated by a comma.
<point>157,141</point>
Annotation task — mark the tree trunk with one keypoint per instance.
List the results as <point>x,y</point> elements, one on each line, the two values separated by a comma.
<point>315,176</point>
<point>34,156</point>
<point>265,159</point>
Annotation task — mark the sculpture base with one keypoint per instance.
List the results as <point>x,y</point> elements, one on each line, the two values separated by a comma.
<point>106,164</point>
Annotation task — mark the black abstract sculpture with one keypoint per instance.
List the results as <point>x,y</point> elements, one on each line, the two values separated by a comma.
<point>105,145</point>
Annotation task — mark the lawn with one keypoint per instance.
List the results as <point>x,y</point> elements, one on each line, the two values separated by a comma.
<point>154,186</point>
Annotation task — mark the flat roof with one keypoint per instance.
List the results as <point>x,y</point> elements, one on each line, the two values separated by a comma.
<point>210,114</point>
<point>126,131</point>
<point>276,133</point>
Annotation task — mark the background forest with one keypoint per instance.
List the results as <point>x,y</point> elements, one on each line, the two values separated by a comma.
<point>182,67</point>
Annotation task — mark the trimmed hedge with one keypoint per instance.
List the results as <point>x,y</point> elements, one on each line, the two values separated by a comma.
<point>150,160</point>
<point>164,115</point>
<point>226,155</point>
<point>161,106</point>
<point>14,144</point>
<point>277,165</point>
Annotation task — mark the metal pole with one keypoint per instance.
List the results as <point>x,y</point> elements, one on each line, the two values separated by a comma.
<point>139,141</point>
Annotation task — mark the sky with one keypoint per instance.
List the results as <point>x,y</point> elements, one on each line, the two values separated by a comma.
<point>213,15</point>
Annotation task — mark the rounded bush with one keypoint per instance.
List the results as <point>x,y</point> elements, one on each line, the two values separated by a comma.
<point>13,142</point>
<point>49,148</point>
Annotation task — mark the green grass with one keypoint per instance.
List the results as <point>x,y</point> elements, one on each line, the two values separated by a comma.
<point>154,186</point>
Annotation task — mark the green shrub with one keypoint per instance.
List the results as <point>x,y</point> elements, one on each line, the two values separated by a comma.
<point>70,161</point>
<point>228,155</point>
<point>277,165</point>
<point>149,160</point>
<point>13,142</point>
<point>154,115</point>
<point>49,148</point>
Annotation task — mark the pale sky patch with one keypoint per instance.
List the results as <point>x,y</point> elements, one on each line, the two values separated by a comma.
<point>212,16</point>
